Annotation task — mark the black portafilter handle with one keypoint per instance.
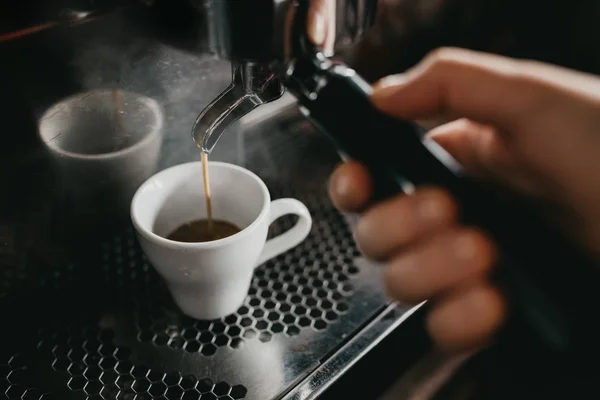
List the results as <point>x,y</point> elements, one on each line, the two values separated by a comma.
<point>552,284</point>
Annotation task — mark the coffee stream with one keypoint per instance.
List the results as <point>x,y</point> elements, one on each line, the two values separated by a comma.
<point>208,229</point>
<point>204,230</point>
<point>204,158</point>
<point>118,120</point>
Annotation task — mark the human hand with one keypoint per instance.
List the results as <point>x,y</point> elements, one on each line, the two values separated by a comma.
<point>321,24</point>
<point>530,127</point>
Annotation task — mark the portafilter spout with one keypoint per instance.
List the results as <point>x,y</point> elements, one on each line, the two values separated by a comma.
<point>252,84</point>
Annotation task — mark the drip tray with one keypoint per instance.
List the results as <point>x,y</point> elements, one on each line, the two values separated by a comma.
<point>107,328</point>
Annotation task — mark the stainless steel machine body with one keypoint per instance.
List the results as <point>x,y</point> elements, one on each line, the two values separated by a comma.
<point>87,317</point>
<point>107,328</point>
<point>98,322</point>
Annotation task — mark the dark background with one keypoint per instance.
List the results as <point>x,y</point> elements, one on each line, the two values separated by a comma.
<point>38,69</point>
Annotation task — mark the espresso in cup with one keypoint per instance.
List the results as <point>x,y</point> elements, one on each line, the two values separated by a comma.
<point>203,230</point>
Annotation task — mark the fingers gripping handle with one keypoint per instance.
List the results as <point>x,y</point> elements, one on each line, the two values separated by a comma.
<point>550,282</point>
<point>292,237</point>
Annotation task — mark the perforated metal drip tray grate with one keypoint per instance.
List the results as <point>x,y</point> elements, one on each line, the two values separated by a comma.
<point>108,328</point>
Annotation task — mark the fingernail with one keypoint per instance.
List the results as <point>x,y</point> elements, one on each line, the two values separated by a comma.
<point>385,86</point>
<point>316,28</point>
<point>342,186</point>
<point>391,80</point>
<point>429,209</point>
<point>465,247</point>
<point>362,230</point>
<point>355,239</point>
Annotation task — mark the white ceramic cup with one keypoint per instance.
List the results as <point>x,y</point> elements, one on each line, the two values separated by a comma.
<point>105,144</point>
<point>210,280</point>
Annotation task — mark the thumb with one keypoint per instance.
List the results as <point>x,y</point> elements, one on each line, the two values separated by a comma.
<point>485,155</point>
<point>321,23</point>
<point>456,83</point>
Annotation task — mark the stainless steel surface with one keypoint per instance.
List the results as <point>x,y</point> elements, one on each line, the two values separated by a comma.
<point>233,24</point>
<point>251,85</point>
<point>353,19</point>
<point>425,379</point>
<point>358,345</point>
<point>102,325</point>
<point>258,59</point>
<point>234,28</point>
<point>91,319</point>
<point>105,326</point>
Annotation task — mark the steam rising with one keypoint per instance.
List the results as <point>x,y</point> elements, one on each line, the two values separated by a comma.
<point>183,83</point>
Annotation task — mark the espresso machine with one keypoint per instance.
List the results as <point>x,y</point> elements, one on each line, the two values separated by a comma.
<point>85,316</point>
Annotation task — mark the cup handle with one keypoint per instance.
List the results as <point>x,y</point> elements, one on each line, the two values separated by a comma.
<point>292,237</point>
